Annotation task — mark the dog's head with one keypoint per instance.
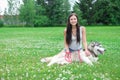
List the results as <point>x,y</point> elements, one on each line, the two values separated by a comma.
<point>96,48</point>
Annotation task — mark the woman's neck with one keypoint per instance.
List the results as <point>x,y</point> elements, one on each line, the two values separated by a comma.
<point>74,30</point>
<point>73,27</point>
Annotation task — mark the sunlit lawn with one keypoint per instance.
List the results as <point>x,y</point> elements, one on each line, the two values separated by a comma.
<point>22,48</point>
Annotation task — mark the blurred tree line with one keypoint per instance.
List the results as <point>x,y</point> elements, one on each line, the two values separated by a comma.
<point>55,12</point>
<point>99,12</point>
<point>39,13</point>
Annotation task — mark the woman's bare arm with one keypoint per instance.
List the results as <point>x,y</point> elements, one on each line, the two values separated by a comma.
<point>65,44</point>
<point>85,41</point>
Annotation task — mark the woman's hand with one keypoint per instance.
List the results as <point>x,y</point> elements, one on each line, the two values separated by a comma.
<point>87,52</point>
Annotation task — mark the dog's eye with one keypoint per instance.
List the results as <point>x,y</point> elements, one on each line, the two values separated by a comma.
<point>100,45</point>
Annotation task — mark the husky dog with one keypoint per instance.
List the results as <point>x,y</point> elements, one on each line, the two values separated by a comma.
<point>95,49</point>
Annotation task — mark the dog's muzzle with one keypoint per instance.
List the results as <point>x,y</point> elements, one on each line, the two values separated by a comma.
<point>101,51</point>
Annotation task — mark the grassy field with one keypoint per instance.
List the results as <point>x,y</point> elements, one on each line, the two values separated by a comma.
<point>22,48</point>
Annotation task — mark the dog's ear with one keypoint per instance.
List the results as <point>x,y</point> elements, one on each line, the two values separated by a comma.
<point>91,41</point>
<point>97,43</point>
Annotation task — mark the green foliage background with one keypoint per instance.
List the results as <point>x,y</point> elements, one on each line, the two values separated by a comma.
<point>36,13</point>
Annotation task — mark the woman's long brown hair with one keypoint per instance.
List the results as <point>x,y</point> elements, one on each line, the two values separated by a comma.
<point>69,30</point>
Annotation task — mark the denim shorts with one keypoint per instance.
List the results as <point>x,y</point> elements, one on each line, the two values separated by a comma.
<point>71,50</point>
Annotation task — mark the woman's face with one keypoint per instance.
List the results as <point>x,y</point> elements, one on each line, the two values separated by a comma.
<point>73,20</point>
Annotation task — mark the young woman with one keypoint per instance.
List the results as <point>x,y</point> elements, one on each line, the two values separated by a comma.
<point>74,37</point>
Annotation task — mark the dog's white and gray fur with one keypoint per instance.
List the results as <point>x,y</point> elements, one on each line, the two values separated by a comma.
<point>94,47</point>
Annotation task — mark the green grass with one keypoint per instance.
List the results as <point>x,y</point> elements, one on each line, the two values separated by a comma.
<point>22,48</point>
